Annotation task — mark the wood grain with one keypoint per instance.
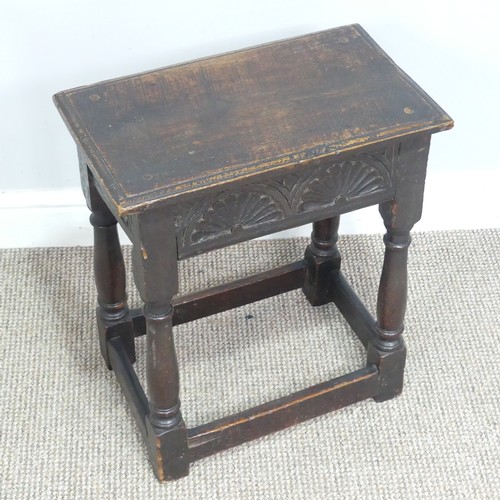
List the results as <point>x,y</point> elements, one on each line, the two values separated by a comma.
<point>154,136</point>
<point>282,413</point>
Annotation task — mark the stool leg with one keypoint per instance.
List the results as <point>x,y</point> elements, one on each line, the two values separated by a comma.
<point>167,435</point>
<point>155,275</point>
<point>322,257</point>
<point>113,318</point>
<point>392,293</point>
<point>388,350</point>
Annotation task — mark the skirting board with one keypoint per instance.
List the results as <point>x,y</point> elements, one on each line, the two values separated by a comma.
<point>60,218</point>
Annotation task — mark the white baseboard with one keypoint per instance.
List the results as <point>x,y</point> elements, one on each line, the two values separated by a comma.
<point>60,218</point>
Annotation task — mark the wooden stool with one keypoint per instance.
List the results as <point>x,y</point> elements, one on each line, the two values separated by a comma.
<point>206,154</point>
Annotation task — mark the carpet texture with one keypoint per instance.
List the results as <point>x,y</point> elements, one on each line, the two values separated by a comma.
<point>66,432</point>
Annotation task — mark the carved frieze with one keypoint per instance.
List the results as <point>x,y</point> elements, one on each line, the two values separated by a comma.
<point>257,204</point>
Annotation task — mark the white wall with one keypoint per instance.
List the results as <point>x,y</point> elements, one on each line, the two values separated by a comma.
<point>449,47</point>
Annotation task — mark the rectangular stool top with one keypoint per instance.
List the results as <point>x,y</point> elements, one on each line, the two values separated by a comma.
<point>152,137</point>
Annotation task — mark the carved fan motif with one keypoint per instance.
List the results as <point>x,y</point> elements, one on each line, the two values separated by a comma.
<point>349,179</point>
<point>233,212</point>
<point>220,217</point>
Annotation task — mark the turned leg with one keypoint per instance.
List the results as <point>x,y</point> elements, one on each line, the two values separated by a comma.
<point>155,275</point>
<point>322,257</point>
<point>387,350</point>
<point>113,318</point>
<point>392,293</point>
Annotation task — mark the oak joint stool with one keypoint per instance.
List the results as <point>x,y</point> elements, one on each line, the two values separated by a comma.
<point>206,154</point>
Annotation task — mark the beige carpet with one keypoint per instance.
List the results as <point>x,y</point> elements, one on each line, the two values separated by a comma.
<point>65,431</point>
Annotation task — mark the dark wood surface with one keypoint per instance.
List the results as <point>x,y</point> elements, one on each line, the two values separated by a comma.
<point>236,293</point>
<point>281,413</point>
<point>208,153</point>
<point>246,209</point>
<point>154,136</point>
